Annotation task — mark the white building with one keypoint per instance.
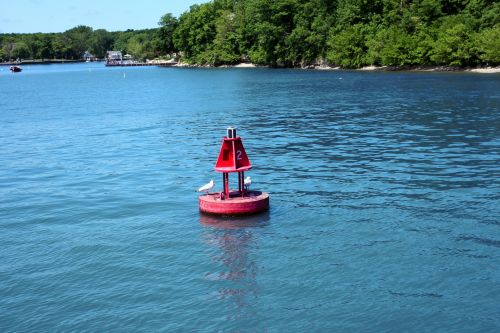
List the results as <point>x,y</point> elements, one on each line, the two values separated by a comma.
<point>114,57</point>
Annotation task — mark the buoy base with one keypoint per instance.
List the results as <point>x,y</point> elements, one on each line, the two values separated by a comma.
<point>252,202</point>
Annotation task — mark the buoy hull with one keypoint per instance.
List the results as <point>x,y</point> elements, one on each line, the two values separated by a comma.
<point>251,203</point>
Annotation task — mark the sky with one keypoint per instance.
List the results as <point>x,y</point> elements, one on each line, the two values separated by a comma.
<point>29,16</point>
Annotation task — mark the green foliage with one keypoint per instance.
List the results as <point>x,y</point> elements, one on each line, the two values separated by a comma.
<point>350,33</point>
<point>100,42</point>
<point>140,45</point>
<point>72,43</point>
<point>168,24</point>
<point>20,51</point>
<point>308,40</point>
<point>453,46</point>
<point>295,33</point>
<point>489,16</point>
<point>226,43</point>
<point>196,32</point>
<point>427,10</point>
<point>392,46</point>
<point>347,48</point>
<point>78,39</point>
<point>488,45</point>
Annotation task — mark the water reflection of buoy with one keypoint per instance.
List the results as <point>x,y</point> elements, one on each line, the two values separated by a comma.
<point>233,158</point>
<point>233,273</point>
<point>226,222</point>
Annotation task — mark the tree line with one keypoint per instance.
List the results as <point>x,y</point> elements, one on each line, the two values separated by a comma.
<point>347,33</point>
<point>294,33</point>
<point>73,43</point>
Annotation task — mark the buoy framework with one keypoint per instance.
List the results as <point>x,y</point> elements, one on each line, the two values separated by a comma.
<point>233,158</point>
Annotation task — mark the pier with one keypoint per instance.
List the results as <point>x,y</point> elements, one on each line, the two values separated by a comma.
<point>116,59</point>
<point>140,63</point>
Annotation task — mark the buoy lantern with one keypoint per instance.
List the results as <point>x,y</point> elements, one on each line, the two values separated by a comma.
<point>233,158</point>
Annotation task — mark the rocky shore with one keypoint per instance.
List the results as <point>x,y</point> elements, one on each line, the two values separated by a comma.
<point>486,70</point>
<point>322,66</point>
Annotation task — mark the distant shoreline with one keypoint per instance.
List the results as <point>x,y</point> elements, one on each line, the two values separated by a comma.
<point>484,70</point>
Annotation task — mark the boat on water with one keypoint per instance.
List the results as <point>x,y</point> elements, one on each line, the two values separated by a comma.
<point>15,69</point>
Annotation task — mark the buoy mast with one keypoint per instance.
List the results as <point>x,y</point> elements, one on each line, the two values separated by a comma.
<point>232,158</point>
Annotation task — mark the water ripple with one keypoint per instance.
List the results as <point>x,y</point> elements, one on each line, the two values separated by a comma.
<point>384,201</point>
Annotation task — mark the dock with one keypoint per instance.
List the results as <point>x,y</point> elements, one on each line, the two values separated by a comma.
<point>140,63</point>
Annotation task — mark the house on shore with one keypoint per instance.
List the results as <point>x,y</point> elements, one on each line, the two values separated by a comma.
<point>87,56</point>
<point>114,58</point>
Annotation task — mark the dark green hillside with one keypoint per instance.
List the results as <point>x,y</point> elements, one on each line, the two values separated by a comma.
<point>293,33</point>
<point>349,33</point>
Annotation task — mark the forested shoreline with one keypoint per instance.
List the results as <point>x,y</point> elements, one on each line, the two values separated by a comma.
<point>73,43</point>
<point>292,33</point>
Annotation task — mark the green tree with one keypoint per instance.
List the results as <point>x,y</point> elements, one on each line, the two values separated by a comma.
<point>46,49</point>
<point>135,46</point>
<point>307,42</point>
<point>121,40</point>
<point>453,46</point>
<point>487,43</point>
<point>7,47</point>
<point>140,45</point>
<point>20,50</point>
<point>392,47</point>
<point>351,33</point>
<point>60,48</point>
<point>100,42</point>
<point>347,48</point>
<point>269,23</point>
<point>196,32</point>
<point>168,23</point>
<point>79,39</point>
<point>489,16</point>
<point>225,48</point>
<point>427,10</point>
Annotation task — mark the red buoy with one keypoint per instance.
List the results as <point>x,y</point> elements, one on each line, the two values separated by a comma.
<point>233,158</point>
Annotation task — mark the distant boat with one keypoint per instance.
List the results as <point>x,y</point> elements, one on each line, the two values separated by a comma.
<point>15,69</point>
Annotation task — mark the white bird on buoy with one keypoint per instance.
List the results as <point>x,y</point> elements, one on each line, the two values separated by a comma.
<point>207,187</point>
<point>247,182</point>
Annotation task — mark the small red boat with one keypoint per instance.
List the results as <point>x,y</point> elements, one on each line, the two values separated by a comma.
<point>15,69</point>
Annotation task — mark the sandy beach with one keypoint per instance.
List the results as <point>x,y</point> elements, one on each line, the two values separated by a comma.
<point>245,65</point>
<point>486,70</point>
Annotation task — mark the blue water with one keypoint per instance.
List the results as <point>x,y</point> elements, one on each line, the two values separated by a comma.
<point>385,201</point>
